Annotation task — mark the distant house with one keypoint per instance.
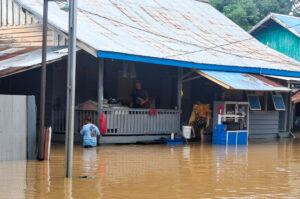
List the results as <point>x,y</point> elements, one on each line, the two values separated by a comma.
<point>280,32</point>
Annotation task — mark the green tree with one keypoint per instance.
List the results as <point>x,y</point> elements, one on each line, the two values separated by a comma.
<point>243,12</point>
<point>247,13</point>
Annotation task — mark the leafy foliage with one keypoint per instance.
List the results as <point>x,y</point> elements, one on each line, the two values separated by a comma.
<point>246,13</point>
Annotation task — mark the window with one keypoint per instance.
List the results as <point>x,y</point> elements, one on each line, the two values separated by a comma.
<point>278,103</point>
<point>254,103</point>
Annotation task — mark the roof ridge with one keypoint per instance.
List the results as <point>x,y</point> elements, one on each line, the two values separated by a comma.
<point>286,15</point>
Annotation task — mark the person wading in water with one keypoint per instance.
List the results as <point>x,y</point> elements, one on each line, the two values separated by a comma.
<point>90,133</point>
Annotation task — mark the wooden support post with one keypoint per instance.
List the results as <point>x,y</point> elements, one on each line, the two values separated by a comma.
<point>287,112</point>
<point>100,89</point>
<point>266,101</point>
<point>41,135</point>
<point>290,112</point>
<point>179,88</point>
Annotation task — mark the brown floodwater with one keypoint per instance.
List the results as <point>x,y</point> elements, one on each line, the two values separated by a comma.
<point>263,169</point>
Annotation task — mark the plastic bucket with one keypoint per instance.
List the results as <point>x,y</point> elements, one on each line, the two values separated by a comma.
<point>186,132</point>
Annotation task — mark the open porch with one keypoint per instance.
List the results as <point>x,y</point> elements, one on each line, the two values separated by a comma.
<point>100,80</point>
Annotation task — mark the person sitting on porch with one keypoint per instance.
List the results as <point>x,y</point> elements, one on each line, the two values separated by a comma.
<point>200,119</point>
<point>140,97</point>
<point>90,133</point>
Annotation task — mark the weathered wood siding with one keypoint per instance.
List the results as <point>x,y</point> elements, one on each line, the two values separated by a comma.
<point>263,124</point>
<point>20,28</point>
<point>280,39</point>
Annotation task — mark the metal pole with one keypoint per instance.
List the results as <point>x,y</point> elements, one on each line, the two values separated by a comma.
<point>179,88</point>
<point>43,84</point>
<point>71,87</point>
<point>100,89</point>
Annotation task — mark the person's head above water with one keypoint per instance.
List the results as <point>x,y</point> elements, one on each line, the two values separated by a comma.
<point>138,85</point>
<point>87,120</point>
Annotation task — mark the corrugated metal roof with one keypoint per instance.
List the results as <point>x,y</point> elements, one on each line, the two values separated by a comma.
<point>291,23</point>
<point>188,31</point>
<point>296,97</point>
<point>14,60</point>
<point>242,81</point>
<point>284,78</point>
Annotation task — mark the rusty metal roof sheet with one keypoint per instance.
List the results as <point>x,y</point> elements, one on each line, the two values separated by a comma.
<point>242,81</point>
<point>290,79</point>
<point>296,97</point>
<point>188,31</point>
<point>14,60</point>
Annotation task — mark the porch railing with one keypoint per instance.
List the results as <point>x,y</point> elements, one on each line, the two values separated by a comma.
<point>120,121</point>
<point>59,120</point>
<point>141,121</point>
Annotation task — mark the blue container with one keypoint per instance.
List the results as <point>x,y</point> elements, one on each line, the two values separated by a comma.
<point>223,137</point>
<point>175,141</point>
<point>220,127</point>
<point>231,138</point>
<point>219,134</point>
<point>242,138</point>
<point>216,136</point>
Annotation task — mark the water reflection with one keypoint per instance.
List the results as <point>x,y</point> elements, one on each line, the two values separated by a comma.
<point>263,169</point>
<point>12,179</point>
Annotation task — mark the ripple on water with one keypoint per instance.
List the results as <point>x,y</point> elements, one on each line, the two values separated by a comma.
<point>260,170</point>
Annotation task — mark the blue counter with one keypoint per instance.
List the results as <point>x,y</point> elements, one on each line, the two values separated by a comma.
<point>224,137</point>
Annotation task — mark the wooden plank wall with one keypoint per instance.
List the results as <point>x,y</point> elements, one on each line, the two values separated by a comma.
<point>263,124</point>
<point>20,28</point>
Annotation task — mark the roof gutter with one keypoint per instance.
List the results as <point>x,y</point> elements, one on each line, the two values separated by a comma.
<point>200,66</point>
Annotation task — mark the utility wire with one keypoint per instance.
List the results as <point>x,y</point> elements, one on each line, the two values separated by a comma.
<point>192,44</point>
<point>210,48</point>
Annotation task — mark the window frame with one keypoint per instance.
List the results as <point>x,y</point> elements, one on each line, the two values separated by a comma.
<point>278,109</point>
<point>254,109</point>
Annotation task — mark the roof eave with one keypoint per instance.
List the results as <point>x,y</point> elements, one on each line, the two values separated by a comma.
<point>80,44</point>
<point>193,65</point>
<point>259,24</point>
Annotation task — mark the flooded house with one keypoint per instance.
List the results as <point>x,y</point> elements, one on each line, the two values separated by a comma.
<point>178,52</point>
<point>282,33</point>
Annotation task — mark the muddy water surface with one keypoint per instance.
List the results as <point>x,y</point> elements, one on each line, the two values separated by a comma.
<point>263,169</point>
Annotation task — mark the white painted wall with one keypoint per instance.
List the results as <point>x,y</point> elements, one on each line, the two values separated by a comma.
<point>13,127</point>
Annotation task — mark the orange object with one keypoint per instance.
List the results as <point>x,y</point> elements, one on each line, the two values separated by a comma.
<point>46,144</point>
<point>202,110</point>
<point>102,123</point>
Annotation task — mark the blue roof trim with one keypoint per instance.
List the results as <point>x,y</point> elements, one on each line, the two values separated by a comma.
<point>170,62</point>
<point>284,73</point>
